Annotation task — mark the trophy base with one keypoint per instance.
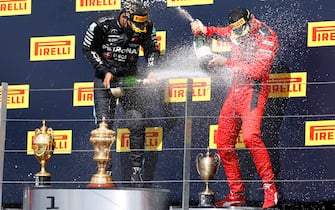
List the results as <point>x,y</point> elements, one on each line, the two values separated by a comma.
<point>42,181</point>
<point>101,181</point>
<point>101,185</point>
<point>206,200</point>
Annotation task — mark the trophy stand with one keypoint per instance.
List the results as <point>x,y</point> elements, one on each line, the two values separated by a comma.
<point>42,178</point>
<point>206,197</point>
<point>207,167</point>
<point>102,139</point>
<point>43,146</point>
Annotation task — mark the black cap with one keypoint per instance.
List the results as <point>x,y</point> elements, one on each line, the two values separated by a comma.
<point>137,13</point>
<point>238,17</point>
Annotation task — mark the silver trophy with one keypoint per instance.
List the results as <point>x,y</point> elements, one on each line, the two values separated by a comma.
<point>207,167</point>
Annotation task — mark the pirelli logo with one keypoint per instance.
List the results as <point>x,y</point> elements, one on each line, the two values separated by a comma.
<point>213,129</point>
<point>15,7</point>
<point>319,133</point>
<point>161,41</point>
<point>173,3</point>
<point>17,96</point>
<point>221,46</point>
<point>52,48</point>
<point>288,85</point>
<point>176,90</point>
<point>62,138</point>
<point>321,34</point>
<point>153,139</point>
<point>140,19</point>
<point>83,93</point>
<point>238,23</point>
<point>97,5</point>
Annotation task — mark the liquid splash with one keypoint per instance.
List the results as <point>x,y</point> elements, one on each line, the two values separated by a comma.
<point>151,3</point>
<point>185,14</point>
<point>289,21</point>
<point>181,63</point>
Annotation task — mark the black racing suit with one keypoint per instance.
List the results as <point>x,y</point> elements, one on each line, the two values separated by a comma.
<point>110,48</point>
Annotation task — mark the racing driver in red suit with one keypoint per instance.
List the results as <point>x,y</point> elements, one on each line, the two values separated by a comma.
<point>254,47</point>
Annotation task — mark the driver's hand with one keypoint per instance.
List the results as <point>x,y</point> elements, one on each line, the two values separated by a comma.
<point>217,61</point>
<point>107,80</point>
<point>151,79</point>
<point>197,27</point>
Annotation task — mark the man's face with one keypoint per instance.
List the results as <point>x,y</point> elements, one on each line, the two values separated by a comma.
<point>240,28</point>
<point>126,25</point>
<point>124,21</point>
<point>242,31</point>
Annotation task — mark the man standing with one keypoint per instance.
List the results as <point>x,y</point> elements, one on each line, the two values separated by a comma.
<point>111,45</point>
<point>253,51</point>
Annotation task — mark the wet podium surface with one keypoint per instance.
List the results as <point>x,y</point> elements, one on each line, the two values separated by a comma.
<point>38,198</point>
<point>211,208</point>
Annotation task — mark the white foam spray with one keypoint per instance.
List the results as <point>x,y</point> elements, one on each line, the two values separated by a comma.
<point>289,20</point>
<point>151,3</point>
<point>181,63</point>
<point>185,14</point>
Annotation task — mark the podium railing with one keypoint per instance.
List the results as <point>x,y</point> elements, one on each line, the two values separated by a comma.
<point>189,117</point>
<point>3,116</point>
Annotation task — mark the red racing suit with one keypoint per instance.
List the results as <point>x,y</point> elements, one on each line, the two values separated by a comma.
<point>250,63</point>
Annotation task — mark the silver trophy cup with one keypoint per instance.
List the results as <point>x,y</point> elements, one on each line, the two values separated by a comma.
<point>207,167</point>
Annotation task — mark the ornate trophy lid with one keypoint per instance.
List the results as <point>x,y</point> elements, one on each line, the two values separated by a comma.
<point>102,131</point>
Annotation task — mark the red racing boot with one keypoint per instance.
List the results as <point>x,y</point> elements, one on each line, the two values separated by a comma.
<point>270,196</point>
<point>232,199</point>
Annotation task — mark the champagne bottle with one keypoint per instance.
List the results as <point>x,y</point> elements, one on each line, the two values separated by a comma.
<point>130,81</point>
<point>202,50</point>
<point>200,40</point>
<point>119,83</point>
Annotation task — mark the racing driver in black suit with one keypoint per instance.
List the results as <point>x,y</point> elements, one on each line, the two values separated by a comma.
<point>111,45</point>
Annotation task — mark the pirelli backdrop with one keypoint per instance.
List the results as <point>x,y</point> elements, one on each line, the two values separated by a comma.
<point>49,79</point>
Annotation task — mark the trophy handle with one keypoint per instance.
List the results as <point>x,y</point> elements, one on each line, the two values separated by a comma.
<point>199,156</point>
<point>218,162</point>
<point>39,151</point>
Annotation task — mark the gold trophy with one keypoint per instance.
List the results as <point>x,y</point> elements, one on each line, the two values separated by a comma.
<point>102,139</point>
<point>43,147</point>
<point>207,167</point>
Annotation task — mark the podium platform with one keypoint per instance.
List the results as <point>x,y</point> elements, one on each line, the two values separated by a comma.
<point>37,198</point>
<point>215,208</point>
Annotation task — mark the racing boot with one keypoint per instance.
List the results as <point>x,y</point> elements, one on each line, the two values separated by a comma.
<point>136,177</point>
<point>232,199</point>
<point>270,195</point>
